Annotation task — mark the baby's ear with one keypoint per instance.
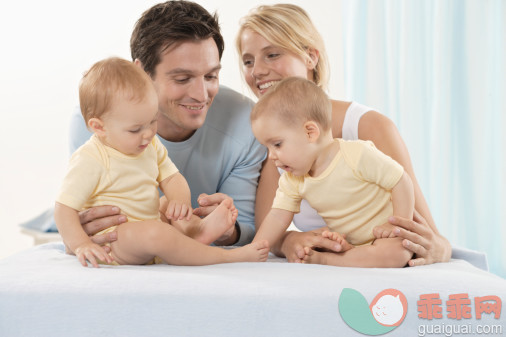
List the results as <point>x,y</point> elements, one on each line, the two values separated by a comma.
<point>312,131</point>
<point>314,57</point>
<point>96,125</point>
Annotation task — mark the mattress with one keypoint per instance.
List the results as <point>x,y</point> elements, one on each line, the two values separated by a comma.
<point>44,292</point>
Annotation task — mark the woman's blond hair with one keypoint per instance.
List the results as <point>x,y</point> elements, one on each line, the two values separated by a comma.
<point>289,27</point>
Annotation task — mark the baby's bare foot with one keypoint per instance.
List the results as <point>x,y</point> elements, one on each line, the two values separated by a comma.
<point>313,257</point>
<point>254,252</point>
<point>219,221</point>
<point>341,239</point>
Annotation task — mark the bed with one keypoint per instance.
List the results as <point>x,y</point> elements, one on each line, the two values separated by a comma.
<point>44,292</point>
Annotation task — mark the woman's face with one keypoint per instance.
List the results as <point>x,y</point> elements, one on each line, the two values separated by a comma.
<point>265,64</point>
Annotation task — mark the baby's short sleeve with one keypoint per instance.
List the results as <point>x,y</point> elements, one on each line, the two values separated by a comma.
<point>373,165</point>
<point>84,175</point>
<point>287,195</point>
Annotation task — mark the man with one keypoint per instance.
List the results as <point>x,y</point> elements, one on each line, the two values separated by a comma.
<point>207,134</point>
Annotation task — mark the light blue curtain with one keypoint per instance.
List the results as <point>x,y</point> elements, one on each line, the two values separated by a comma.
<point>437,69</point>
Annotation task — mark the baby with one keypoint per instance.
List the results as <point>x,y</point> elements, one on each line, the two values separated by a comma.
<point>352,185</point>
<point>123,164</point>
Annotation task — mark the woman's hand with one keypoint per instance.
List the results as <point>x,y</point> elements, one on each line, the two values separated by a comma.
<point>293,243</point>
<point>99,218</point>
<point>429,247</point>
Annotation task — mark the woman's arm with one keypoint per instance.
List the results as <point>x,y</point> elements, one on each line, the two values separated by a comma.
<point>425,239</point>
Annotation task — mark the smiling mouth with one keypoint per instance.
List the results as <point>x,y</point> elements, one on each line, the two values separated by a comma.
<point>266,85</point>
<point>193,107</point>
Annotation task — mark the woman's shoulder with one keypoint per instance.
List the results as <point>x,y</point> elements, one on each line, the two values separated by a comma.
<point>347,118</point>
<point>383,132</point>
<point>374,125</point>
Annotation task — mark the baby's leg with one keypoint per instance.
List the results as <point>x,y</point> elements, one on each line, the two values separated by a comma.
<point>335,236</point>
<point>315,257</point>
<point>138,242</point>
<point>382,253</point>
<point>213,226</point>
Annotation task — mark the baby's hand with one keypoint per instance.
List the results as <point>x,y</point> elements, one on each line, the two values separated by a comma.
<point>91,251</point>
<point>178,210</point>
<point>384,231</point>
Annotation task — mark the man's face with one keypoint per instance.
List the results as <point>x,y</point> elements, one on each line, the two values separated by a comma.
<point>186,81</point>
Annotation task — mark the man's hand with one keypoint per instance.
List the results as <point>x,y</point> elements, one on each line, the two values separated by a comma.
<point>208,203</point>
<point>99,218</point>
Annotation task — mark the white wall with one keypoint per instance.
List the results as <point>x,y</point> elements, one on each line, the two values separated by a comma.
<point>45,47</point>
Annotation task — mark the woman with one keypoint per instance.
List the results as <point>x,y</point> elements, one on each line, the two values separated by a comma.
<point>280,41</point>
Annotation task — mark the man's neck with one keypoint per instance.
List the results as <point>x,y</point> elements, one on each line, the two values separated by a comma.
<point>173,133</point>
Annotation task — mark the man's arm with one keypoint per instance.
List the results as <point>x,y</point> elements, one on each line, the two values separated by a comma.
<point>242,162</point>
<point>241,185</point>
<point>78,132</point>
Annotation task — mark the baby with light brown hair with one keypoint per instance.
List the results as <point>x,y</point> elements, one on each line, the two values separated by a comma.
<point>124,164</point>
<point>351,184</point>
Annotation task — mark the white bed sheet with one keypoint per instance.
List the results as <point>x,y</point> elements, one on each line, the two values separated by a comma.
<point>44,292</point>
